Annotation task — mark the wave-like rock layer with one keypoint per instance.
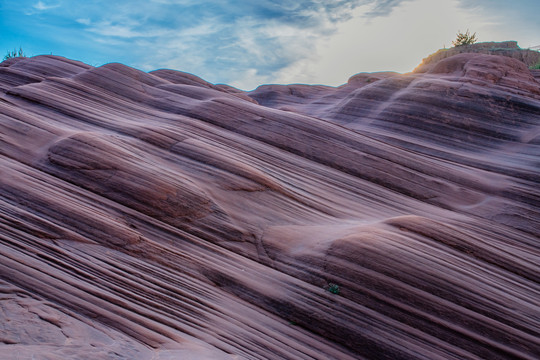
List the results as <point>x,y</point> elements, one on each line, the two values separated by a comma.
<point>158,216</point>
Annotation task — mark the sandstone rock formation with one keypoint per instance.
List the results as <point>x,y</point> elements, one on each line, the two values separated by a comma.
<point>158,216</point>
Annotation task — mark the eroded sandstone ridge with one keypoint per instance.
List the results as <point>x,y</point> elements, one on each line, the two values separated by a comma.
<point>158,216</point>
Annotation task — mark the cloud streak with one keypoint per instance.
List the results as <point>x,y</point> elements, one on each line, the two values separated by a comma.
<point>383,8</point>
<point>40,5</point>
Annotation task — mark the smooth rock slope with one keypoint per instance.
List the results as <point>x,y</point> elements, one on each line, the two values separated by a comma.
<point>158,216</point>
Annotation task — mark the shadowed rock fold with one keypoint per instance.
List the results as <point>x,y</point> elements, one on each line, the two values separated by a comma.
<point>158,216</point>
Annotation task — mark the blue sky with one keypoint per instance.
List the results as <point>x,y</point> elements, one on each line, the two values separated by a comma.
<point>245,43</point>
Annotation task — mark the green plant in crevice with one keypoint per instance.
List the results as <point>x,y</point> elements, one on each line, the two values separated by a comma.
<point>333,288</point>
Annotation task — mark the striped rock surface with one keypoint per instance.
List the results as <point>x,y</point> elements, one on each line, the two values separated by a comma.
<point>158,216</point>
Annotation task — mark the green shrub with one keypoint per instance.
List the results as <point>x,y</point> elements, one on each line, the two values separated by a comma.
<point>333,288</point>
<point>535,67</point>
<point>14,54</point>
<point>464,38</point>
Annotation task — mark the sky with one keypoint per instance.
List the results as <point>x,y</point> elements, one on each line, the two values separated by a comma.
<point>246,43</point>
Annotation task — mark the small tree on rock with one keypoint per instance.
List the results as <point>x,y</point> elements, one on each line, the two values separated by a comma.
<point>14,53</point>
<point>464,38</point>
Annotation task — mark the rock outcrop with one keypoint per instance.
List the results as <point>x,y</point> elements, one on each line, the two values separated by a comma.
<point>506,48</point>
<point>158,216</point>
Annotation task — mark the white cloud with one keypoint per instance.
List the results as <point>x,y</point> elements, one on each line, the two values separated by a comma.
<point>109,29</point>
<point>84,21</point>
<point>395,42</point>
<point>40,5</point>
